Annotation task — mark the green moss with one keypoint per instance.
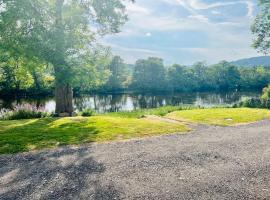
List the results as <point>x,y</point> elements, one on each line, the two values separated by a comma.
<point>25,135</point>
<point>221,116</point>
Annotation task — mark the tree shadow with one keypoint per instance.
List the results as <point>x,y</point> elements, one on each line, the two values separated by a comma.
<point>68,173</point>
<point>22,135</point>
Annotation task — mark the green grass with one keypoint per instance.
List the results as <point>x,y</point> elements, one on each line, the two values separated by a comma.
<point>25,135</point>
<point>32,134</point>
<point>221,116</point>
<point>161,111</point>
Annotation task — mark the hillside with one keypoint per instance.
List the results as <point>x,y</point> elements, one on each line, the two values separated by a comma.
<point>255,61</point>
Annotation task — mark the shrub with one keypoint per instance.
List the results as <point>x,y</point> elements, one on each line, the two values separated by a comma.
<point>266,93</point>
<point>87,112</point>
<point>25,111</point>
<point>251,103</point>
<point>265,98</point>
<point>266,103</point>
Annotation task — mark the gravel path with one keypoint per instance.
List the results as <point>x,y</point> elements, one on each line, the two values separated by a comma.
<point>209,163</point>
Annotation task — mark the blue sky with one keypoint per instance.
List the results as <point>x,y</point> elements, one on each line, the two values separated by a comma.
<point>186,31</point>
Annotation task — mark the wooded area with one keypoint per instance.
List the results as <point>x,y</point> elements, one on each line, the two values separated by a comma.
<point>50,47</point>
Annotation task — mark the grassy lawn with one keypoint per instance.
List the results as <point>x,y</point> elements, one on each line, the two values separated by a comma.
<point>25,135</point>
<point>161,111</point>
<point>221,116</point>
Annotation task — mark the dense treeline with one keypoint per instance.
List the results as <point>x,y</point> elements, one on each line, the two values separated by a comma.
<point>110,74</point>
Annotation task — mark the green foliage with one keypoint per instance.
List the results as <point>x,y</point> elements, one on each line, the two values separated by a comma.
<point>266,93</point>
<point>61,34</point>
<point>224,76</point>
<point>181,78</point>
<point>118,74</point>
<point>14,74</point>
<point>261,28</point>
<point>251,103</point>
<point>199,77</point>
<point>254,78</point>
<point>263,102</point>
<point>87,112</point>
<point>266,97</point>
<point>92,71</point>
<point>102,72</point>
<point>22,74</point>
<point>149,75</point>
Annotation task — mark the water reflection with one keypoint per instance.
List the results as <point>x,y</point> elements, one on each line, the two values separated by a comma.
<point>128,102</point>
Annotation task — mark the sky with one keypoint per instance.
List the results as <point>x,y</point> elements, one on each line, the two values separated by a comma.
<point>186,31</point>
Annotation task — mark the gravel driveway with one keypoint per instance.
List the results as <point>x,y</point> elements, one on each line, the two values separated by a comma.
<point>209,163</point>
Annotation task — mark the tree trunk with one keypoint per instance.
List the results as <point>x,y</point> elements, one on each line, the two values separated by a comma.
<point>63,98</point>
<point>63,89</point>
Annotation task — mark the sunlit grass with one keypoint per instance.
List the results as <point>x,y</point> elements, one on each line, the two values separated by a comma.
<point>161,111</point>
<point>25,135</point>
<point>221,116</point>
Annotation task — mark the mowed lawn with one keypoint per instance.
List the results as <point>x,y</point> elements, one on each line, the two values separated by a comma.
<point>25,135</point>
<point>221,116</point>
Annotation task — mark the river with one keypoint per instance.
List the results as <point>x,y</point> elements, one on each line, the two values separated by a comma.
<point>128,102</point>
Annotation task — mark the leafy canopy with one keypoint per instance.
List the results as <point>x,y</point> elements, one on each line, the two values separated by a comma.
<point>59,32</point>
<point>261,28</point>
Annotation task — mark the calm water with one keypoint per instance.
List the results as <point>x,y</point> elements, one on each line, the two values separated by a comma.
<point>128,102</point>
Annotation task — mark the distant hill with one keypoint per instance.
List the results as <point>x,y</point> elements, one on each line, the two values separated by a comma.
<point>255,61</point>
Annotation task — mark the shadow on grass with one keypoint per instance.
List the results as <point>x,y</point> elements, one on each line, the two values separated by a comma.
<point>22,135</point>
<point>68,173</point>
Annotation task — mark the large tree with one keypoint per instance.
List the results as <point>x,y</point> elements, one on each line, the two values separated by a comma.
<point>149,74</point>
<point>118,74</point>
<point>58,32</point>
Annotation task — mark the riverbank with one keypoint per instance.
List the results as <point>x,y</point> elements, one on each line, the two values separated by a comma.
<point>27,135</point>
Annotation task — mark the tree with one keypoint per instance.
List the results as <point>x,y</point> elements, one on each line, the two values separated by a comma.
<point>118,74</point>
<point>261,28</point>
<point>58,32</point>
<point>199,70</point>
<point>149,75</point>
<point>92,70</point>
<point>225,76</point>
<point>14,76</point>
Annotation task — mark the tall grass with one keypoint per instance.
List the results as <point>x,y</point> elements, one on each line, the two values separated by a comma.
<point>25,111</point>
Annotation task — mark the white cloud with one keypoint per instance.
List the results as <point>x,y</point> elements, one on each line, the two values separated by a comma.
<point>214,12</point>
<point>226,39</point>
<point>250,7</point>
<point>199,5</point>
<point>134,8</point>
<point>193,5</point>
<point>200,18</point>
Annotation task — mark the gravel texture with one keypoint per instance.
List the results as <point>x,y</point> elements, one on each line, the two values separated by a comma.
<point>208,163</point>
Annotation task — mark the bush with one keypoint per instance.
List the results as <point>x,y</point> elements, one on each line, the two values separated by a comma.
<point>266,97</point>
<point>266,93</point>
<point>251,103</point>
<point>25,111</point>
<point>87,112</point>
